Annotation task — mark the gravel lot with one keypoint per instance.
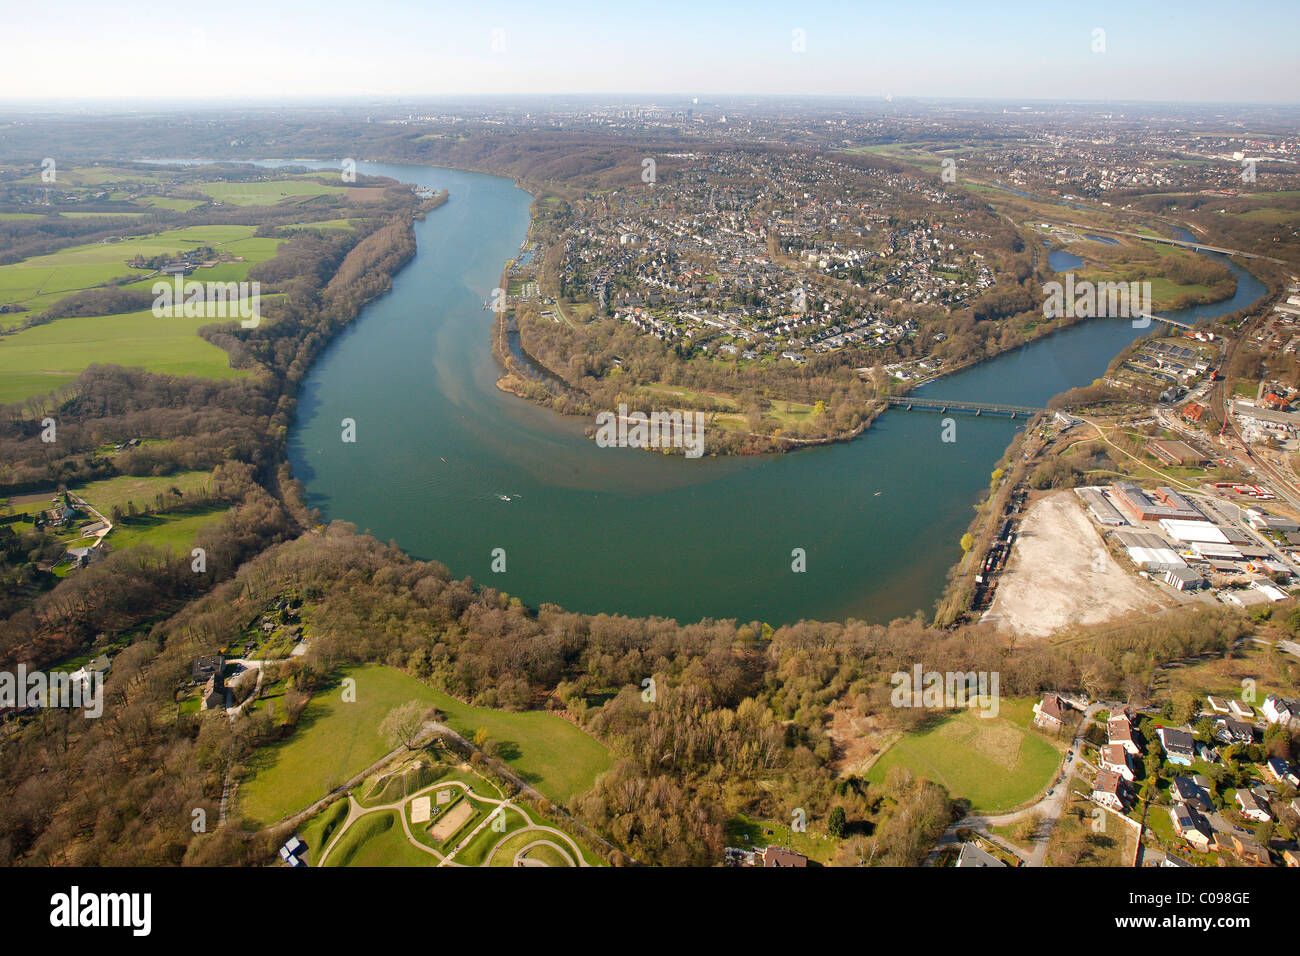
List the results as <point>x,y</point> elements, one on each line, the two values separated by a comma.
<point>1061,575</point>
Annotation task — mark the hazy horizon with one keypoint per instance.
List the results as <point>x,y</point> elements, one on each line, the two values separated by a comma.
<point>1195,54</point>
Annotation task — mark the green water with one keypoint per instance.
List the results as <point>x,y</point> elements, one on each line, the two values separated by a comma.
<point>619,530</point>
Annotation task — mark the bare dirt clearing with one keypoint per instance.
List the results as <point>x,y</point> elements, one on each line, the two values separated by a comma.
<point>1061,575</point>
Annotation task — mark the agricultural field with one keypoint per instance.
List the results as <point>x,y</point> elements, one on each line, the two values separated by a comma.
<point>266,193</point>
<point>39,359</point>
<point>118,492</point>
<point>995,763</point>
<point>173,532</point>
<point>322,224</point>
<point>84,176</point>
<point>40,281</point>
<point>169,202</point>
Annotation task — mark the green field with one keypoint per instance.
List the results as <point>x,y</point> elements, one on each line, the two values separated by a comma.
<point>505,853</point>
<point>39,359</point>
<point>334,741</point>
<point>752,833</point>
<point>265,194</point>
<point>377,840</point>
<point>548,752</point>
<point>42,281</point>
<point>99,176</point>
<point>167,202</point>
<point>320,829</point>
<point>322,224</point>
<point>172,532</point>
<point>995,763</point>
<point>108,493</point>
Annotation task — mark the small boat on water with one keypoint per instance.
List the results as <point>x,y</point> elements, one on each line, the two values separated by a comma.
<point>504,497</point>
<point>877,494</point>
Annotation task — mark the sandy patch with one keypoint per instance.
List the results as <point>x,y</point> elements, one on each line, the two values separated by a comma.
<point>420,810</point>
<point>451,821</point>
<point>1061,575</point>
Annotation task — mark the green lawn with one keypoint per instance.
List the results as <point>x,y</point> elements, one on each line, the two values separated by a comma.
<point>750,833</point>
<point>173,532</point>
<point>107,493</point>
<point>995,763</point>
<point>557,758</point>
<point>332,742</point>
<point>378,840</point>
<point>40,359</point>
<point>318,831</point>
<point>505,854</point>
<point>265,194</point>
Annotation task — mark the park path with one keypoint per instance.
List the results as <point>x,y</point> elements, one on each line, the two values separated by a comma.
<point>503,805</point>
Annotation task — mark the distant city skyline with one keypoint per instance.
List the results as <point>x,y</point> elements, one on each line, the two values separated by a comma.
<point>1195,52</point>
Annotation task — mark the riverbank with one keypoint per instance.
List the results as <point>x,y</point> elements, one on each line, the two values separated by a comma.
<point>598,529</point>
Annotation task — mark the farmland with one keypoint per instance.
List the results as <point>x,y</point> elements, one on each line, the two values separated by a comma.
<point>37,360</point>
<point>266,193</point>
<point>40,281</point>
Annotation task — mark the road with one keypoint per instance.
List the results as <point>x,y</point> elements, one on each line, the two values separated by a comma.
<point>1200,246</point>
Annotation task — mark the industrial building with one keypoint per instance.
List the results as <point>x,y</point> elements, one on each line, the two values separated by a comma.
<point>1262,521</point>
<point>1155,505</point>
<point>1148,551</point>
<point>1184,579</point>
<point>1189,531</point>
<point>1175,452</point>
<point>1102,510</point>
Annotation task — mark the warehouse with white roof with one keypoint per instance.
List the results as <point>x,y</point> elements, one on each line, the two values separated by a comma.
<point>1149,551</point>
<point>1189,531</point>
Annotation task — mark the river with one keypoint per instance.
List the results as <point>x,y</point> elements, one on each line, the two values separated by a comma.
<point>438,449</point>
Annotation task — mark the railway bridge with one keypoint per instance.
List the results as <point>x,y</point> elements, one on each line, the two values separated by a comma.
<point>910,402</point>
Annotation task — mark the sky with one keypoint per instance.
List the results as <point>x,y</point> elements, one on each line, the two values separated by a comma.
<point>1187,51</point>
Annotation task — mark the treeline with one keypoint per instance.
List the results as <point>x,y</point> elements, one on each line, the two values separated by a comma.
<point>737,723</point>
